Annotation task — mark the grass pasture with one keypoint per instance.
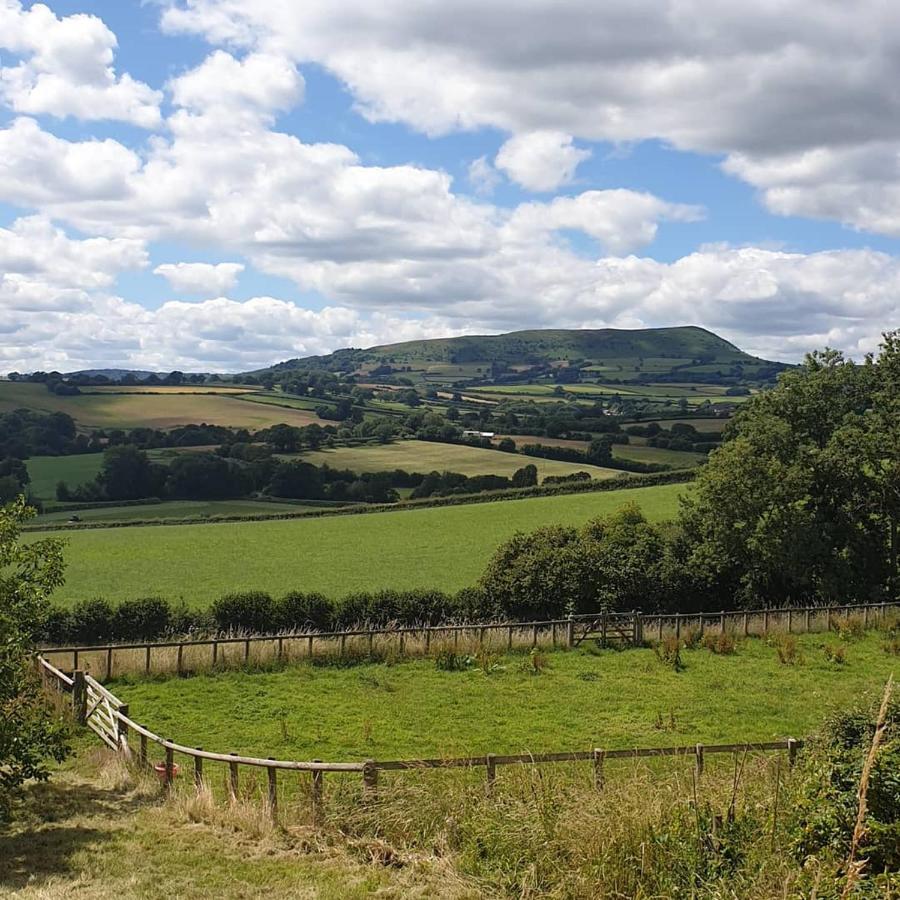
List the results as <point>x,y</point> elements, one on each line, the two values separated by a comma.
<point>173,509</point>
<point>156,410</point>
<point>581,699</point>
<point>46,471</point>
<point>428,456</point>
<point>441,547</point>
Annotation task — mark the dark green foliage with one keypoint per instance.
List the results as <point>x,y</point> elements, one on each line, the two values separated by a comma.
<point>802,502</point>
<point>91,621</point>
<point>826,804</point>
<point>141,620</point>
<point>298,612</point>
<point>252,611</point>
<point>30,734</point>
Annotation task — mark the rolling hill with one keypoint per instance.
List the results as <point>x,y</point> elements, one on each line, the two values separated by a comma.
<point>628,354</point>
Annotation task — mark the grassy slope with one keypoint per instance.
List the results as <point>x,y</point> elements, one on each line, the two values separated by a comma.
<point>150,410</point>
<point>426,456</point>
<point>583,699</point>
<point>439,547</point>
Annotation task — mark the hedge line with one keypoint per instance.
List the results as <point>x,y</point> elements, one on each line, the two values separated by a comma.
<point>624,482</point>
<point>150,618</point>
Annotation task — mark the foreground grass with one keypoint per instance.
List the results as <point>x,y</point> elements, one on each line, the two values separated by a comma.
<point>94,832</point>
<point>443,548</point>
<point>582,699</point>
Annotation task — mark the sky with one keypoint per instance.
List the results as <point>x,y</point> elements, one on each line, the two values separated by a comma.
<point>218,185</point>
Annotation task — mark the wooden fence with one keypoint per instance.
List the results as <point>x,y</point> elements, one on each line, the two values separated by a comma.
<point>190,655</point>
<point>106,715</point>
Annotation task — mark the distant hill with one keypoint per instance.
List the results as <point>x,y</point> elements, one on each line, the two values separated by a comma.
<point>633,354</point>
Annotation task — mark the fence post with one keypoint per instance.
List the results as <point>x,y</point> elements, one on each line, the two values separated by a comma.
<point>79,697</point>
<point>233,779</point>
<point>428,640</point>
<point>509,636</point>
<point>147,660</point>
<point>698,752</point>
<point>371,639</point>
<point>659,624</point>
<point>570,632</point>
<point>790,620</point>
<point>534,635</point>
<point>722,622</point>
<point>280,648</point>
<point>180,658</point>
<point>491,768</point>
<point>746,624</point>
<point>272,797</point>
<point>678,626</point>
<point>792,751</point>
<point>109,662</point>
<point>247,650</point>
<point>766,620</point>
<point>598,769</point>
<point>318,792</point>
<point>170,768</point>
<point>142,753</point>
<point>370,779</point>
<point>702,617</point>
<point>866,617</point>
<point>215,653</point>
<point>806,619</point>
<point>638,630</point>
<point>553,634</point>
<point>198,770</point>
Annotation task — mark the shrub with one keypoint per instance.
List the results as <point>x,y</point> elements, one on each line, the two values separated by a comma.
<point>58,626</point>
<point>143,619</point>
<point>244,611</point>
<point>298,611</point>
<point>91,622</point>
<point>829,774</point>
<point>836,653</point>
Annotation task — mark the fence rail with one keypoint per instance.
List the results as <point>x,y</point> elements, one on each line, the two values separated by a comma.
<point>107,716</point>
<point>545,632</point>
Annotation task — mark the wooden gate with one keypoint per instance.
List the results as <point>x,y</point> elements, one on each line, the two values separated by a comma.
<point>607,628</point>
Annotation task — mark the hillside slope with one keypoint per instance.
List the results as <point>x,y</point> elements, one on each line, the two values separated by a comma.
<point>646,351</point>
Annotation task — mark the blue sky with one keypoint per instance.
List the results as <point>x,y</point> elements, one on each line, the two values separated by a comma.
<point>612,170</point>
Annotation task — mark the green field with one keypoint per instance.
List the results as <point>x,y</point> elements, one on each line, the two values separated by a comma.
<point>428,456</point>
<point>436,547</point>
<point>46,471</point>
<point>156,410</point>
<point>173,509</point>
<point>583,699</point>
<point>678,459</point>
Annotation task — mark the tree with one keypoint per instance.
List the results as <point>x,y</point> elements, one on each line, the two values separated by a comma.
<point>600,451</point>
<point>30,735</point>
<point>525,477</point>
<point>128,474</point>
<point>802,501</point>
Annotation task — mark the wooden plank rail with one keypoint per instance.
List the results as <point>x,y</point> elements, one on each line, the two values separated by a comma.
<point>107,716</point>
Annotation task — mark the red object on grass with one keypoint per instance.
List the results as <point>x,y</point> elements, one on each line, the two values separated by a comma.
<point>160,769</point>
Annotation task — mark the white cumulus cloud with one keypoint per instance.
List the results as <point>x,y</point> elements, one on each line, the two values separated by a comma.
<point>201,278</point>
<point>540,160</point>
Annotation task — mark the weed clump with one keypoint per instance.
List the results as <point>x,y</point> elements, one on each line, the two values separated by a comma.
<point>668,652</point>
<point>847,628</point>
<point>722,643</point>
<point>787,648</point>
<point>690,637</point>
<point>835,653</point>
<point>448,660</point>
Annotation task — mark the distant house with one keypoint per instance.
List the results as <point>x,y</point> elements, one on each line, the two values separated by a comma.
<point>479,434</point>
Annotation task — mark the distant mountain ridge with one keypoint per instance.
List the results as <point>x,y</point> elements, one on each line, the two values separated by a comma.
<point>690,348</point>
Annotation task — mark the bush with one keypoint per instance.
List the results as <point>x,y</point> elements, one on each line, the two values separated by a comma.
<point>835,653</point>
<point>297,611</point>
<point>829,775</point>
<point>448,660</point>
<point>141,620</point>
<point>690,636</point>
<point>245,611</point>
<point>847,627</point>
<point>91,622</point>
<point>787,649</point>
<point>720,642</point>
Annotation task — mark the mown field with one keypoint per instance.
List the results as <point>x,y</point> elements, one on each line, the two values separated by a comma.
<point>443,548</point>
<point>156,410</point>
<point>46,471</point>
<point>581,699</point>
<point>428,456</point>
